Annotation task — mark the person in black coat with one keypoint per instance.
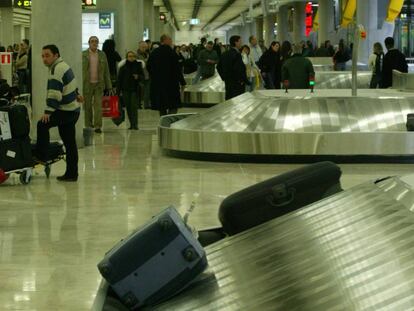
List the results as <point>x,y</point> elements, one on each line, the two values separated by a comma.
<point>270,66</point>
<point>166,78</point>
<point>112,57</point>
<point>394,59</point>
<point>232,69</point>
<point>128,85</point>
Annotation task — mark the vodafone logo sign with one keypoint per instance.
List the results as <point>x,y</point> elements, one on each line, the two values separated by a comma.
<point>5,59</point>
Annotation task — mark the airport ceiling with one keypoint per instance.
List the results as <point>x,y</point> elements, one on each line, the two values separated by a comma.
<point>213,14</point>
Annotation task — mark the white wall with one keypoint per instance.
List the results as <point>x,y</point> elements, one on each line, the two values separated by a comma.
<point>186,36</point>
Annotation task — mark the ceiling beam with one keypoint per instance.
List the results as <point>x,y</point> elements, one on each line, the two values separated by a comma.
<point>219,12</point>
<point>257,4</point>
<point>168,6</point>
<point>196,8</point>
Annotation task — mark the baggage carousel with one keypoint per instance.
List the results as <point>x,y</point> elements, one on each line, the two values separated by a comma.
<point>351,251</point>
<point>300,126</point>
<point>210,92</point>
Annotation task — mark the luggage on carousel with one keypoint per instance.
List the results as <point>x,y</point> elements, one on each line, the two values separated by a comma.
<point>154,262</point>
<point>19,120</point>
<point>15,154</point>
<point>278,196</point>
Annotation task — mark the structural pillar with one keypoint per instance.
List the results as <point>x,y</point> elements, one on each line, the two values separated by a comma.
<point>6,29</point>
<point>132,24</point>
<point>269,27</point>
<point>326,20</point>
<point>64,13</point>
<point>149,17</point>
<point>299,27</point>
<point>259,28</point>
<point>367,15</point>
<point>17,33</point>
<point>283,24</point>
<point>155,36</point>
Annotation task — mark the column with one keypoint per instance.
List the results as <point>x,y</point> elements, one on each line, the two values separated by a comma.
<point>27,33</point>
<point>149,17</point>
<point>6,29</point>
<point>269,26</point>
<point>66,15</point>
<point>367,15</point>
<point>17,33</point>
<point>155,36</point>
<point>326,20</point>
<point>259,28</point>
<point>283,24</point>
<point>299,22</point>
<point>132,24</point>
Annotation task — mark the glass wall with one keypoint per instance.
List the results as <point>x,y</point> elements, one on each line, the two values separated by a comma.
<point>404,27</point>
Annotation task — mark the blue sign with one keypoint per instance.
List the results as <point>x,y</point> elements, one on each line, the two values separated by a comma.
<point>105,21</point>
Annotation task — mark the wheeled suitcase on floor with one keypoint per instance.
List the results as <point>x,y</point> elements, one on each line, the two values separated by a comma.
<point>154,262</point>
<point>15,154</point>
<point>279,195</point>
<point>19,120</point>
<point>54,151</point>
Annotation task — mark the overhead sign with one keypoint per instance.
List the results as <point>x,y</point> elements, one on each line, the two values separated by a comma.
<point>105,21</point>
<point>87,3</point>
<point>5,59</point>
<point>22,4</point>
<point>309,18</point>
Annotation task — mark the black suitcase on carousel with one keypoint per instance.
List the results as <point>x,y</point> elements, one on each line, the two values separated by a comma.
<point>278,196</point>
<point>19,120</point>
<point>154,262</point>
<point>15,154</point>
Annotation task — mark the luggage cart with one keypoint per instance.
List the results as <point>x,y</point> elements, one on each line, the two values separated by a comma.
<point>48,164</point>
<point>25,175</point>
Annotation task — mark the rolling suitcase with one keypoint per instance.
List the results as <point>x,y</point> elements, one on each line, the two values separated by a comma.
<point>154,262</point>
<point>15,154</point>
<point>19,120</point>
<point>278,196</point>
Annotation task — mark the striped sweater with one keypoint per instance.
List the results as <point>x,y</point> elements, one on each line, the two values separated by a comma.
<point>61,88</point>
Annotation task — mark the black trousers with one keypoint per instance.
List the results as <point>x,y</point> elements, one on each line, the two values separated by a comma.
<point>234,88</point>
<point>65,121</point>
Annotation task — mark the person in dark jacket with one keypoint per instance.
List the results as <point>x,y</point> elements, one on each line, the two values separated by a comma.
<point>166,78</point>
<point>112,57</point>
<point>393,60</point>
<point>297,71</point>
<point>207,60</point>
<point>217,47</point>
<point>270,66</point>
<point>232,69</point>
<point>128,85</point>
<point>341,57</point>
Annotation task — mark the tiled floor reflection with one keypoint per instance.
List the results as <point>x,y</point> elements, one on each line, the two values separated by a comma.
<point>53,234</point>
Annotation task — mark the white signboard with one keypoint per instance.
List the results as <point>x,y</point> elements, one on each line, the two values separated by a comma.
<point>100,25</point>
<point>5,132</point>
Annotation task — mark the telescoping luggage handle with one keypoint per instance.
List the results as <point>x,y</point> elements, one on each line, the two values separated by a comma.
<point>281,196</point>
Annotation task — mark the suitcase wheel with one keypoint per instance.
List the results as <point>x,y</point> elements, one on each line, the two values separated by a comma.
<point>165,223</point>
<point>189,254</point>
<point>25,178</point>
<point>104,269</point>
<point>130,300</point>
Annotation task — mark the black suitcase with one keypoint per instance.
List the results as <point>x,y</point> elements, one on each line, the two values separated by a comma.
<point>19,120</point>
<point>54,151</point>
<point>278,196</point>
<point>410,122</point>
<point>15,154</point>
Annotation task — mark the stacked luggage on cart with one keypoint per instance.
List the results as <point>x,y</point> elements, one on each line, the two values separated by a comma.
<point>15,148</point>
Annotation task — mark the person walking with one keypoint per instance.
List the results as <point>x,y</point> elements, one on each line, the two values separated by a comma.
<point>96,79</point>
<point>142,55</point>
<point>252,71</point>
<point>375,63</point>
<point>128,85</point>
<point>207,60</point>
<point>232,70</point>
<point>62,111</point>
<point>270,66</point>
<point>166,78</point>
<point>112,57</point>
<point>393,60</point>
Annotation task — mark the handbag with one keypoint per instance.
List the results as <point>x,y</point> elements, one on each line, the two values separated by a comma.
<point>110,106</point>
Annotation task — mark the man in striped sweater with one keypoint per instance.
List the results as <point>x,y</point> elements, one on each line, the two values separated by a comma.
<point>62,110</point>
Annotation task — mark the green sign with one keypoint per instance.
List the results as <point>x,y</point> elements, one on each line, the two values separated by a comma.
<point>105,21</point>
<point>22,4</point>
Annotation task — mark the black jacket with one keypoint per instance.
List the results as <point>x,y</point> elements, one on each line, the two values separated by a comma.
<point>166,77</point>
<point>394,59</point>
<point>231,67</point>
<point>126,80</point>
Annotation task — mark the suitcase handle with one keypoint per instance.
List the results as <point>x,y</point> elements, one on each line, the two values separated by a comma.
<point>280,192</point>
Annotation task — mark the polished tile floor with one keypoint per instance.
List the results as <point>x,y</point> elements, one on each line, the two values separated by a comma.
<point>53,234</point>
